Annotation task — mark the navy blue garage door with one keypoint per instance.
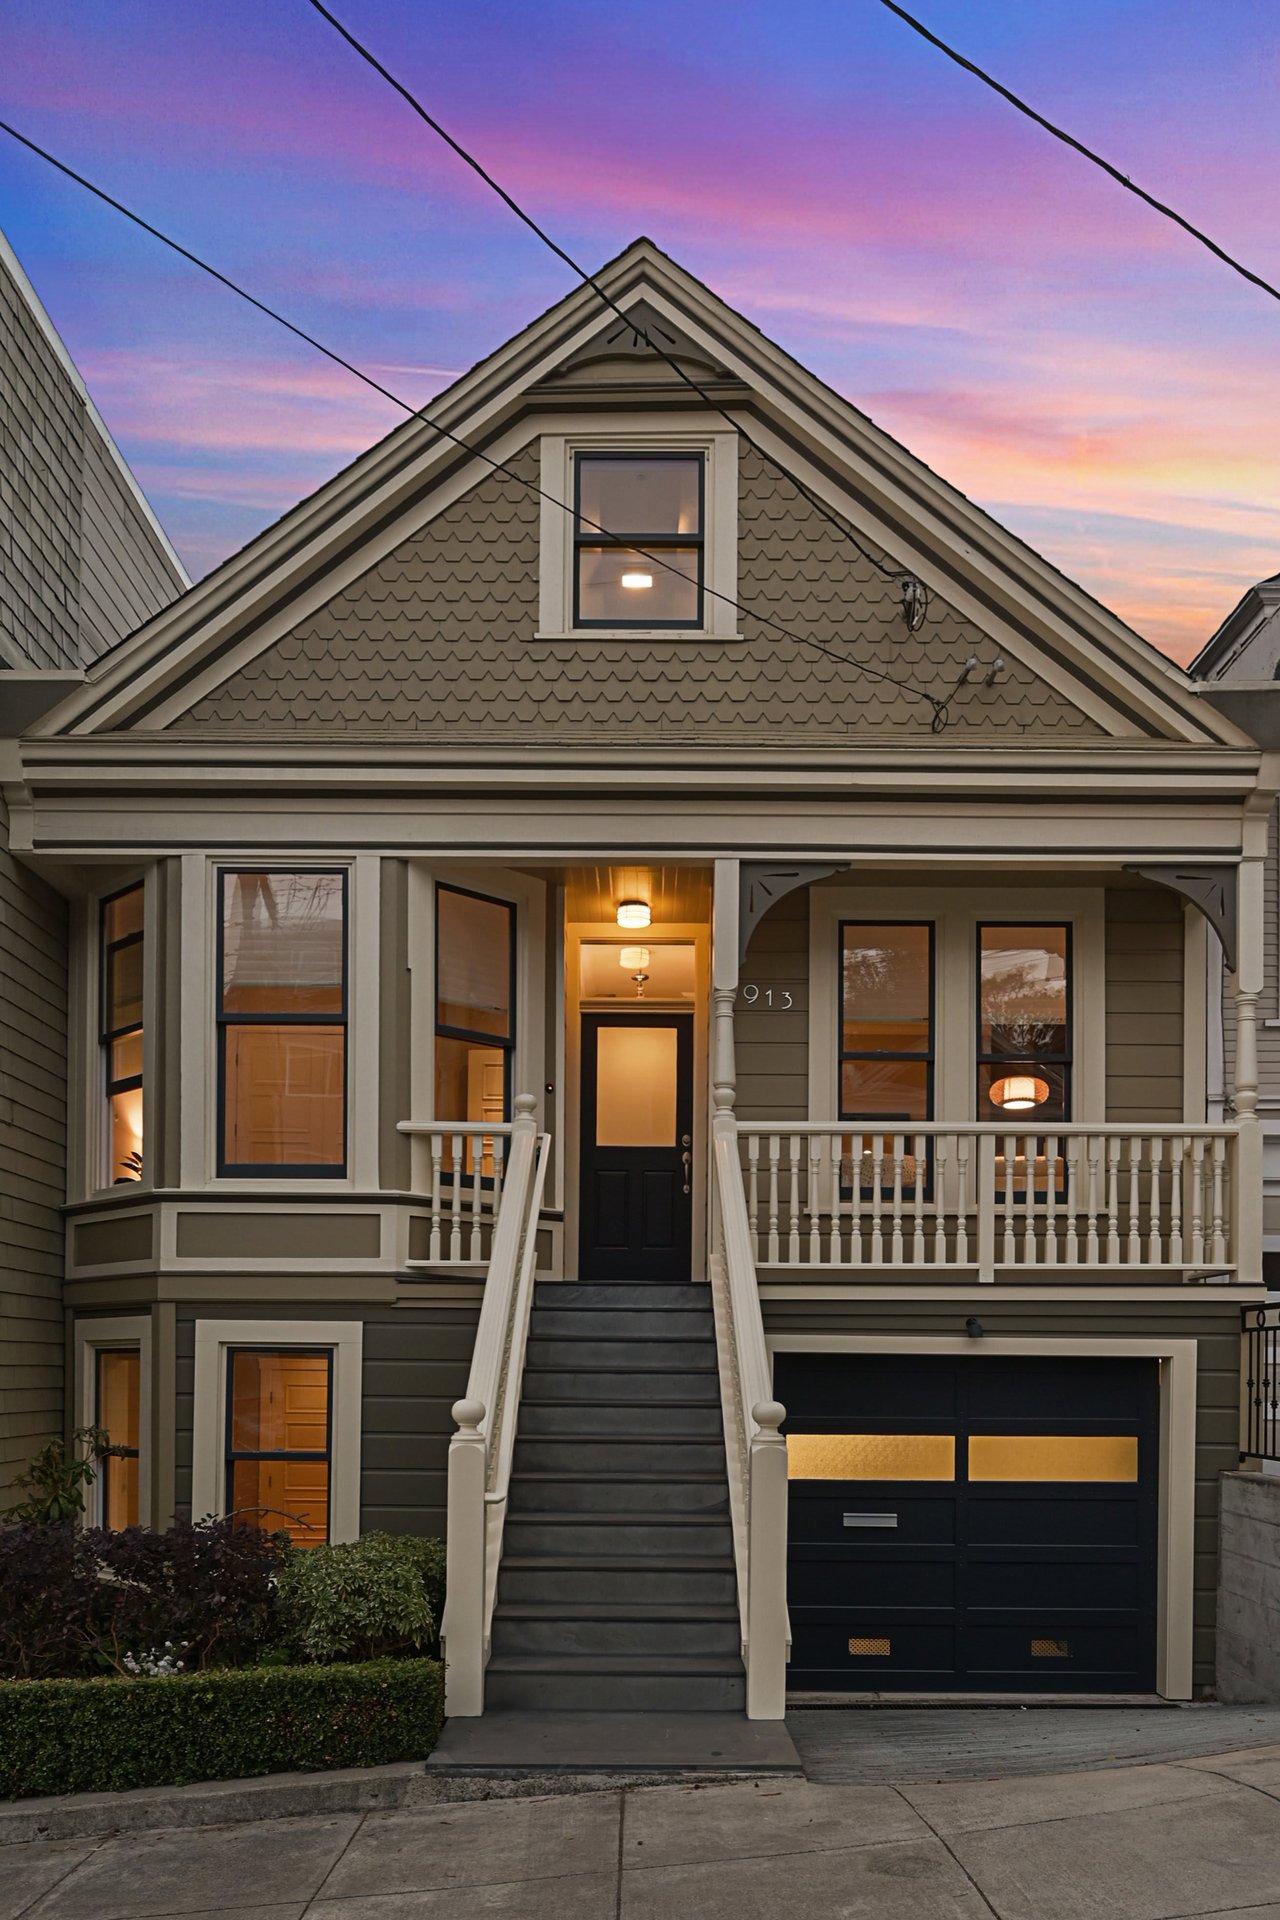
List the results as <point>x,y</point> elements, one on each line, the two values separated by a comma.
<point>974,1524</point>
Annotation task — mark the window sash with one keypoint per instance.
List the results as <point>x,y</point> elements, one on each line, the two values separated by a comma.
<point>232,1454</point>
<point>227,1023</point>
<point>477,1036</point>
<point>1047,1056</point>
<point>618,541</point>
<point>926,1056</point>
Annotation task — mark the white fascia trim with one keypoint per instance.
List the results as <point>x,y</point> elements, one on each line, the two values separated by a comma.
<point>115,1330</point>
<point>9,259</point>
<point>1175,1576</point>
<point>214,1339</point>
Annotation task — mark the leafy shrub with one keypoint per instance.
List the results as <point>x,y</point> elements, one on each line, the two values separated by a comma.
<point>79,1603</point>
<point>360,1599</point>
<point>108,1735</point>
<point>55,1479</point>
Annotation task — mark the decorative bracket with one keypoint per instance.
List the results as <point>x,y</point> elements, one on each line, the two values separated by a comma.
<point>1211,888</point>
<point>762,883</point>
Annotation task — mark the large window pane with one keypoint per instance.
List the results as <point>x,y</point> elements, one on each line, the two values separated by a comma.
<point>278,1442</point>
<point>470,1081</point>
<point>121,976</point>
<point>124,986</point>
<point>473,965</point>
<point>629,493</point>
<point>886,988</point>
<point>282,943</point>
<point>1024,1024</point>
<point>117,1411</point>
<point>631,588</point>
<point>284,1096</point>
<point>888,1090</point>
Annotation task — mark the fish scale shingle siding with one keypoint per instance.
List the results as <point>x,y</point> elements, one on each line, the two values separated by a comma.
<point>438,639</point>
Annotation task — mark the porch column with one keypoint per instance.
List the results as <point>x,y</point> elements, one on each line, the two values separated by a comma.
<point>724,985</point>
<point>1247,985</point>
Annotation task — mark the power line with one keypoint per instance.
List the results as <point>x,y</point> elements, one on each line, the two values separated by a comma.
<point>939,706</point>
<point>1069,140</point>
<point>915,595</point>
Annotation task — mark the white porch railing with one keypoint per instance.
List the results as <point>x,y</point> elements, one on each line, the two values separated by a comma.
<point>480,1451</point>
<point>755,1451</point>
<point>987,1201</point>
<point>462,1168</point>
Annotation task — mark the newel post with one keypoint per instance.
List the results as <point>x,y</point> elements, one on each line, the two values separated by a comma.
<point>767,1567</point>
<point>1246,1208</point>
<point>462,1630</point>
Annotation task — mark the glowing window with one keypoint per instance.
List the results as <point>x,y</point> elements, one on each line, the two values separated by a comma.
<point>871,1456</point>
<point>1053,1456</point>
<point>638,540</point>
<point>117,1410</point>
<point>278,1441</point>
<point>121,953</point>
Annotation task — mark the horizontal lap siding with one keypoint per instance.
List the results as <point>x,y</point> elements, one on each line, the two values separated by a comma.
<point>1214,1326</point>
<point>416,1364</point>
<point>33,1069</point>
<point>1144,999</point>
<point>772,1042</point>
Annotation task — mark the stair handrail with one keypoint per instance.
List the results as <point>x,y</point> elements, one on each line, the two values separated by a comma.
<point>480,1416</point>
<point>761,1517</point>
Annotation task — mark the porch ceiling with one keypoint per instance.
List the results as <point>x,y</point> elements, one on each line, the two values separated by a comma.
<point>676,895</point>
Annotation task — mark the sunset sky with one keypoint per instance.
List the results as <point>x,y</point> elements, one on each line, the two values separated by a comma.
<point>1070,360</point>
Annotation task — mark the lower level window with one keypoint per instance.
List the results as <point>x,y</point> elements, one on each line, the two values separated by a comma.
<point>279,1453</point>
<point>117,1399</point>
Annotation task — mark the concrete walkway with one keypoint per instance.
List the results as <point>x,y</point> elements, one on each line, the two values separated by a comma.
<point>1178,1840</point>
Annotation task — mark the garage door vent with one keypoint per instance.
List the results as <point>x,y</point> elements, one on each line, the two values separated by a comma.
<point>878,1649</point>
<point>1050,1650</point>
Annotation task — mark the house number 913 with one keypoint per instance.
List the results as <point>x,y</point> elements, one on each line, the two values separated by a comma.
<point>767,997</point>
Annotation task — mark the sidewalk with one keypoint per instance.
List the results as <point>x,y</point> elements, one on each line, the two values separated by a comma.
<point>1171,1841</point>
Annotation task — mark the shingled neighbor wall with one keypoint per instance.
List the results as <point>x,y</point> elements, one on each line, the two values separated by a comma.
<point>437,640</point>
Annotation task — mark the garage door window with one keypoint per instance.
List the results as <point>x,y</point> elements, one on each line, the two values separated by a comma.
<point>871,1456</point>
<point>1057,1457</point>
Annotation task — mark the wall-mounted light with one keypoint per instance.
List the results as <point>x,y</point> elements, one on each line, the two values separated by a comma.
<point>634,913</point>
<point>637,581</point>
<point>1019,1092</point>
<point>629,958</point>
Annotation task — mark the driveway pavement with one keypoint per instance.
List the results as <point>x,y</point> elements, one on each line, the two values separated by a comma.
<point>1177,1840</point>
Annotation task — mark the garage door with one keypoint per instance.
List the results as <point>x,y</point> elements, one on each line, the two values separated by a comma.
<point>972,1524</point>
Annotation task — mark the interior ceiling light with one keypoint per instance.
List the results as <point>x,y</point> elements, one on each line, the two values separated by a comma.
<point>629,958</point>
<point>634,913</point>
<point>637,580</point>
<point>1019,1092</point>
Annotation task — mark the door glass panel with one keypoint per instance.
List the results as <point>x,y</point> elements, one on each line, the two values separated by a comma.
<point>636,1086</point>
<point>871,1456</point>
<point>1053,1456</point>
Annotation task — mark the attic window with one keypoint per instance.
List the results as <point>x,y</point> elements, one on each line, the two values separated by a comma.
<point>647,570</point>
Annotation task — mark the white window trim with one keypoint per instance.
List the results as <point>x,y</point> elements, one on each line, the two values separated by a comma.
<point>214,1339</point>
<point>115,1331</point>
<point>199,1038</point>
<point>720,526</point>
<point>956,915</point>
<point>529,898</point>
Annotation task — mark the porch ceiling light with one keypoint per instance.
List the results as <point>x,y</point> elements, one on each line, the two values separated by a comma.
<point>1019,1092</point>
<point>629,958</point>
<point>637,580</point>
<point>634,913</point>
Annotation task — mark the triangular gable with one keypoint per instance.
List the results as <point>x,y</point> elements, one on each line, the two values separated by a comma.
<point>1070,665</point>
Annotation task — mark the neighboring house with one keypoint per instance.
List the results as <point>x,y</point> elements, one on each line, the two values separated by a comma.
<point>83,561</point>
<point>1239,670</point>
<point>455,889</point>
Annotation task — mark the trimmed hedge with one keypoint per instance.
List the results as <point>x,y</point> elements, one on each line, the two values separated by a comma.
<point>107,1735</point>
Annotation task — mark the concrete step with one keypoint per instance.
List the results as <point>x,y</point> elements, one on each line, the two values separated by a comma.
<point>659,1385</point>
<point>622,1580</point>
<point>635,1631</point>
<point>614,1493</point>
<point>671,1296</point>
<point>594,1420</point>
<point>621,1323</point>
<point>587,1535</point>
<point>572,1352</point>
<point>666,1456</point>
<point>607,1683</point>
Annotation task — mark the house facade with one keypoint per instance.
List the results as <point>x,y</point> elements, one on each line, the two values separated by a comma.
<point>83,561</point>
<point>569,1045</point>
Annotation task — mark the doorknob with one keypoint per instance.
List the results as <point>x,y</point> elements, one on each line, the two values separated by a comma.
<point>686,1160</point>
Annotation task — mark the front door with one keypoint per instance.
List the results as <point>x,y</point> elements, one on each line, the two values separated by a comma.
<point>636,1213</point>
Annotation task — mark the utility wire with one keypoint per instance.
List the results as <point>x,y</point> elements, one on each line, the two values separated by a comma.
<point>939,706</point>
<point>915,596</point>
<point>1069,140</point>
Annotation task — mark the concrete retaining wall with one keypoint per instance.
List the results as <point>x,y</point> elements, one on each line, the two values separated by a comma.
<point>1248,1655</point>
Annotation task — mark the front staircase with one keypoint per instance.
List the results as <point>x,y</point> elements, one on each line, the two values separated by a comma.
<point>616,1589</point>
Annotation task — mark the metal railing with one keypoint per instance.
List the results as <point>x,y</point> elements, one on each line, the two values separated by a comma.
<point>1260,1384</point>
<point>983,1201</point>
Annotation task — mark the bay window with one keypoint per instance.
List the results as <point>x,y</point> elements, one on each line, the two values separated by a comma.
<point>475,1005</point>
<point>120,972</point>
<point>282,1021</point>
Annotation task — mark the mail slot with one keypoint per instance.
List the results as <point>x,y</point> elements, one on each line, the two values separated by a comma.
<point>871,1519</point>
